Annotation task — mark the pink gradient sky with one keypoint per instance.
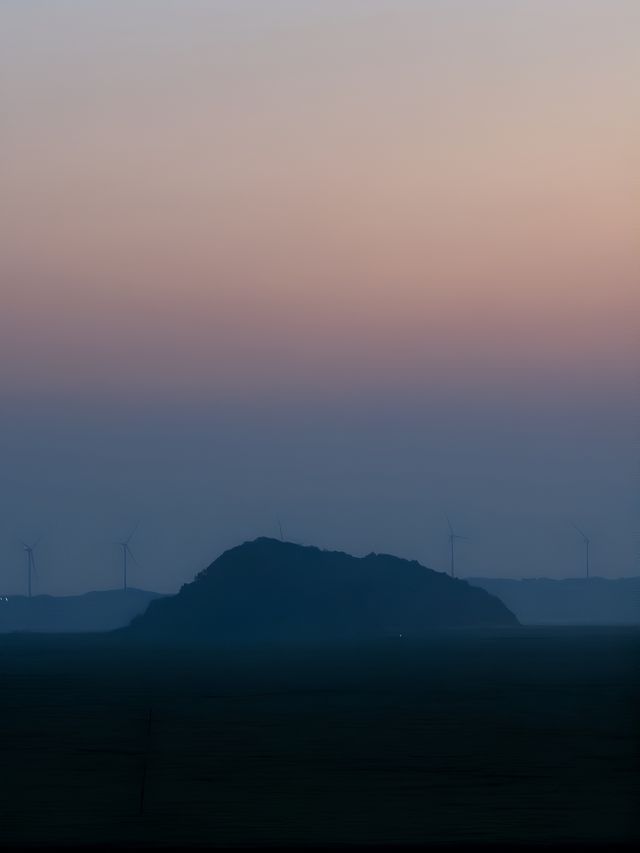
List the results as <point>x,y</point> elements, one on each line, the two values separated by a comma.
<point>430,186</point>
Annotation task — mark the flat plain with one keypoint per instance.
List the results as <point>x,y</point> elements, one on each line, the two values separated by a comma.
<point>519,735</point>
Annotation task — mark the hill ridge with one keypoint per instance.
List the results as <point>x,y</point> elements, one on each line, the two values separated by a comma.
<point>277,590</point>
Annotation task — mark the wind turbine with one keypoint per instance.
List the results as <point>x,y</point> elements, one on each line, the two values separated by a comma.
<point>587,542</point>
<point>31,563</point>
<point>453,538</point>
<point>126,552</point>
<point>281,530</point>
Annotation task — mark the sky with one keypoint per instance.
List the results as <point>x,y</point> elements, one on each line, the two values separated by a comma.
<point>343,265</point>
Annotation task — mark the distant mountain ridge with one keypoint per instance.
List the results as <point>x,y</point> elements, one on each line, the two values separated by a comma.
<point>279,591</point>
<point>541,601</point>
<point>572,601</point>
<point>101,610</point>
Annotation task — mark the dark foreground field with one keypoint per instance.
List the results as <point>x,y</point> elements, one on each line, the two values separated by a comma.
<point>513,735</point>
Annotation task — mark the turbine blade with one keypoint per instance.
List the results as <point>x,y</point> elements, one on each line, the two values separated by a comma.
<point>450,525</point>
<point>130,553</point>
<point>131,535</point>
<point>582,533</point>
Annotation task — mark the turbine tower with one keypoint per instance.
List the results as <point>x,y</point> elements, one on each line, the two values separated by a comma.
<point>453,538</point>
<point>31,564</point>
<point>126,553</point>
<point>587,542</point>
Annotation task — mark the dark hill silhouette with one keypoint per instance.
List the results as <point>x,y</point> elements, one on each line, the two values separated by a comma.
<point>572,601</point>
<point>103,610</point>
<point>278,591</point>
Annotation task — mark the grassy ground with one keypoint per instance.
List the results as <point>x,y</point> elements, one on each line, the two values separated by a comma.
<point>472,737</point>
